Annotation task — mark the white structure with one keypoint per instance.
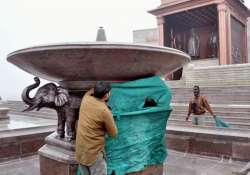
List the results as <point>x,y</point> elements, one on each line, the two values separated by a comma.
<point>146,36</point>
<point>248,39</point>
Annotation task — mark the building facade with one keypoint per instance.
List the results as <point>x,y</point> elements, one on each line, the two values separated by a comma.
<point>150,36</point>
<point>207,29</point>
<point>146,36</point>
<point>248,39</point>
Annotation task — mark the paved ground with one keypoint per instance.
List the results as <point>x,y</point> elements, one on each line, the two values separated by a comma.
<point>25,166</point>
<point>187,164</point>
<point>176,164</point>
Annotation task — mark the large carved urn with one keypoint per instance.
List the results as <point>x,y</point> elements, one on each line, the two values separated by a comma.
<point>76,67</point>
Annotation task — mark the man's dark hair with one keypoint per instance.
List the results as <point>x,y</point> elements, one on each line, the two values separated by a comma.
<point>101,88</point>
<point>196,87</point>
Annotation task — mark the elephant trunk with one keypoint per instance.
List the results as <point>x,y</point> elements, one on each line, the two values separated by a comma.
<point>37,105</point>
<point>25,94</point>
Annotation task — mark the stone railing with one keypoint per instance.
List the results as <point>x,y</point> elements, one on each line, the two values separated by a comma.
<point>4,113</point>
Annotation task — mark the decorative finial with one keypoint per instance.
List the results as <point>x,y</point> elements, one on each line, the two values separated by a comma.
<point>101,36</point>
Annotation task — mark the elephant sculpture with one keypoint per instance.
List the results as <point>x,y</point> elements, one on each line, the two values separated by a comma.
<point>59,99</point>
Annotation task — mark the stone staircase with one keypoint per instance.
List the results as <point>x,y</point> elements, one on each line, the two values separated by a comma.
<point>226,87</point>
<point>231,103</point>
<point>234,95</point>
<point>223,75</point>
<point>237,116</point>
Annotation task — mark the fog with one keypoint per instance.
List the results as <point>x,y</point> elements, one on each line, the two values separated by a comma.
<point>26,23</point>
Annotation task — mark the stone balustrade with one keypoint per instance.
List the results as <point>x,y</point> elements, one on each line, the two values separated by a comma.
<point>4,113</point>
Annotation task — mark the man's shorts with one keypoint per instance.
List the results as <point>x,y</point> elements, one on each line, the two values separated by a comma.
<point>198,120</point>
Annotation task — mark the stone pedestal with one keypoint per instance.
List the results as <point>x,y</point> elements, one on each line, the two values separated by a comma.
<point>57,157</point>
<point>4,113</point>
<point>151,170</point>
<point>213,142</point>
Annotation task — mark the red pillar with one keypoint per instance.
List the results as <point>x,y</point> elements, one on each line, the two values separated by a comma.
<point>245,49</point>
<point>224,43</point>
<point>161,30</point>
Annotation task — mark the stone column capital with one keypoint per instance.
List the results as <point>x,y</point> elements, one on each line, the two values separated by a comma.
<point>160,20</point>
<point>222,7</point>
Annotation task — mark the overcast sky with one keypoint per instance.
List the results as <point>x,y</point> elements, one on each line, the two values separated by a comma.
<point>25,23</point>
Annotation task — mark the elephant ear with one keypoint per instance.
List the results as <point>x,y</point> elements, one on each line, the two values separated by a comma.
<point>62,98</point>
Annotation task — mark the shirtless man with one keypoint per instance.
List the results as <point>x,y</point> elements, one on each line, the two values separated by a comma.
<point>198,106</point>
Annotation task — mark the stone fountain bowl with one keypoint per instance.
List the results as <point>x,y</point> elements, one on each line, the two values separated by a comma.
<point>79,65</point>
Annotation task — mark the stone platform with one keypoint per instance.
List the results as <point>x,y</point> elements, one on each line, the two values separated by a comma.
<point>177,164</point>
<point>215,142</point>
<point>22,136</point>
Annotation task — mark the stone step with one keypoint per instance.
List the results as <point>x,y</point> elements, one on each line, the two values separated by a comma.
<point>33,112</point>
<point>218,75</point>
<point>216,100</point>
<point>36,115</point>
<point>208,115</point>
<point>213,77</point>
<point>189,91</point>
<point>216,107</point>
<point>219,113</point>
<point>235,98</point>
<point>226,88</point>
<point>22,106</point>
<point>242,126</point>
<point>219,110</point>
<point>225,114</point>
<point>229,95</point>
<point>17,108</point>
<point>210,118</point>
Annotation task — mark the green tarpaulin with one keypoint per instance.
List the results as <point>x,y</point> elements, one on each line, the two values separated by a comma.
<point>141,131</point>
<point>220,123</point>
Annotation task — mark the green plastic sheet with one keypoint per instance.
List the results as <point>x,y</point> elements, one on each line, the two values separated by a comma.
<point>220,123</point>
<point>78,171</point>
<point>141,131</point>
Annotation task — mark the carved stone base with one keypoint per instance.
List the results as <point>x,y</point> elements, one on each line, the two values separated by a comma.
<point>57,157</point>
<point>151,170</point>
